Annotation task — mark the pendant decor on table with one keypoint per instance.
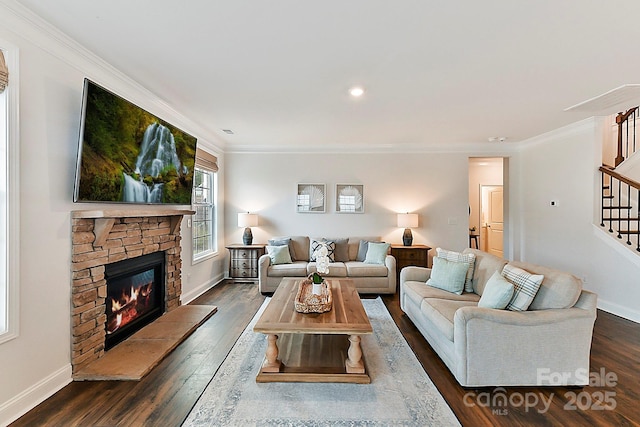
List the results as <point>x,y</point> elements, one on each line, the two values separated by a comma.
<point>314,293</point>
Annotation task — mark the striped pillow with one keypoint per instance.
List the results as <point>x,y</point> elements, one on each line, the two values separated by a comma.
<point>525,286</point>
<point>469,259</point>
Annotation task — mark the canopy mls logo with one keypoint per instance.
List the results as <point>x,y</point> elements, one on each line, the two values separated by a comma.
<point>499,401</point>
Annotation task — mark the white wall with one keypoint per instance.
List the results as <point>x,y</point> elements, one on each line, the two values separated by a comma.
<point>562,165</point>
<point>37,362</point>
<point>433,185</point>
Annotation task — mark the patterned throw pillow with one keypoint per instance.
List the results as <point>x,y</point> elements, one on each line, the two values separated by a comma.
<point>525,286</point>
<point>315,244</point>
<point>469,259</point>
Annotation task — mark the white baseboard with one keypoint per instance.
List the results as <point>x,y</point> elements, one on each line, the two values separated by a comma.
<point>186,298</point>
<point>16,407</point>
<point>618,310</point>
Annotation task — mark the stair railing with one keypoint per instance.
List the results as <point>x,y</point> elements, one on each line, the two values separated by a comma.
<point>626,134</point>
<point>619,194</point>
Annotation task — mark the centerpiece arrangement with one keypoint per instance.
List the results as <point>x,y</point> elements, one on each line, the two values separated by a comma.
<point>314,296</point>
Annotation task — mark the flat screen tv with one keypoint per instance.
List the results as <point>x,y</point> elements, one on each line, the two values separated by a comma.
<point>128,155</point>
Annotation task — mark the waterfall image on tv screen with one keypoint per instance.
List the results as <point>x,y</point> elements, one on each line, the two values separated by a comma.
<point>129,155</point>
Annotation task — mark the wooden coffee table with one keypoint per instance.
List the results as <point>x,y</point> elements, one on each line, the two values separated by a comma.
<point>314,347</point>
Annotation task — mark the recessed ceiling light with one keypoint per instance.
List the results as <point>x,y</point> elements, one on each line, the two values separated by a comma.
<point>497,139</point>
<point>356,91</point>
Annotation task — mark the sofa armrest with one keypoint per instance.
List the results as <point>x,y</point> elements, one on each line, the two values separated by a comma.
<point>263,267</point>
<point>417,274</point>
<point>390,263</point>
<point>501,347</point>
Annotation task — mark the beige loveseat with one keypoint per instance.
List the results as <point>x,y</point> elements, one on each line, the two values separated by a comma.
<point>549,344</point>
<point>368,278</point>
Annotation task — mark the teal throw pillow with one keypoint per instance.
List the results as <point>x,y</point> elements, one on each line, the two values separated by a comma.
<point>279,254</point>
<point>376,253</point>
<point>497,292</point>
<point>448,275</point>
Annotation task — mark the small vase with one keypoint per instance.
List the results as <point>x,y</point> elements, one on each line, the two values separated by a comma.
<point>316,289</point>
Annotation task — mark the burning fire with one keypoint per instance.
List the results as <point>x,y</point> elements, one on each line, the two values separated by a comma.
<point>127,307</point>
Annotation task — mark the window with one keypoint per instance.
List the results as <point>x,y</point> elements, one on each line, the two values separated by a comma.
<point>204,221</point>
<point>9,161</point>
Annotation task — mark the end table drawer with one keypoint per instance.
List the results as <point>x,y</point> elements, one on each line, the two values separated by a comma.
<point>244,254</point>
<point>244,263</point>
<point>412,255</point>
<point>244,272</point>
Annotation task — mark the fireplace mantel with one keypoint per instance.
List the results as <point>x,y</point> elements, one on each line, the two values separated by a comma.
<point>104,219</point>
<point>126,213</point>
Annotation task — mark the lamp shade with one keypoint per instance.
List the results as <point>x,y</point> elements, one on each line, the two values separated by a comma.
<point>246,219</point>
<point>407,220</point>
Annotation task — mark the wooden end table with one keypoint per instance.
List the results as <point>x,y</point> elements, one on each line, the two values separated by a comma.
<point>314,347</point>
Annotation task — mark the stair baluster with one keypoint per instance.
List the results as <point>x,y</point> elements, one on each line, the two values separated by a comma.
<point>612,190</point>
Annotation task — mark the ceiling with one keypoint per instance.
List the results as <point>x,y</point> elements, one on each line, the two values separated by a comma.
<point>435,73</point>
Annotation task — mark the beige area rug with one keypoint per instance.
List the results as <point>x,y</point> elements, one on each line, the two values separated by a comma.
<point>133,358</point>
<point>400,393</point>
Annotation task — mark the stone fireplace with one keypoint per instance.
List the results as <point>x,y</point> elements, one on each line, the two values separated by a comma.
<point>101,238</point>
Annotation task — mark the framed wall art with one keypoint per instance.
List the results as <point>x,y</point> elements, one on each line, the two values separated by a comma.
<point>311,198</point>
<point>350,198</point>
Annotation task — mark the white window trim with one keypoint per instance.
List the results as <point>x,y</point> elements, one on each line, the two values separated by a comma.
<point>13,210</point>
<point>195,259</point>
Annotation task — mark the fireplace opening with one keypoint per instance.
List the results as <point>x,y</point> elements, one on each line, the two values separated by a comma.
<point>135,295</point>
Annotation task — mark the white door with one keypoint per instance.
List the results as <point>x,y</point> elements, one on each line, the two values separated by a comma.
<point>493,212</point>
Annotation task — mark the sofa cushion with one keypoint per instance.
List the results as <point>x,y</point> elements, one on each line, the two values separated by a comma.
<point>279,254</point>
<point>336,269</point>
<point>295,269</point>
<point>558,290</point>
<point>497,293</point>
<point>342,248</point>
<point>417,291</point>
<point>298,247</point>
<point>376,253</point>
<point>486,265</point>
<point>441,312</point>
<point>285,241</point>
<point>355,245</point>
<point>525,286</point>
<point>468,258</point>
<point>360,269</point>
<point>448,275</point>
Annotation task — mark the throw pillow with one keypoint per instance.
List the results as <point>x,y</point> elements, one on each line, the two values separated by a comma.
<point>470,259</point>
<point>341,253</point>
<point>448,275</point>
<point>376,253</point>
<point>279,254</point>
<point>497,292</point>
<point>282,242</point>
<point>315,244</point>
<point>362,250</point>
<point>525,287</point>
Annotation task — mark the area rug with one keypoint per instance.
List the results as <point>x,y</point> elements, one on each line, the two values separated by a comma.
<point>400,393</point>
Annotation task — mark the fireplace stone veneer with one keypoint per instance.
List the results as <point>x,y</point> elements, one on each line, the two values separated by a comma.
<point>104,237</point>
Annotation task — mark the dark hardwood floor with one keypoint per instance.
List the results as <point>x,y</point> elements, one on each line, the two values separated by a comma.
<point>167,394</point>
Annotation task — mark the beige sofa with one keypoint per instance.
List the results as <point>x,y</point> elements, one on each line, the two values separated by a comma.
<point>549,344</point>
<point>368,278</point>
